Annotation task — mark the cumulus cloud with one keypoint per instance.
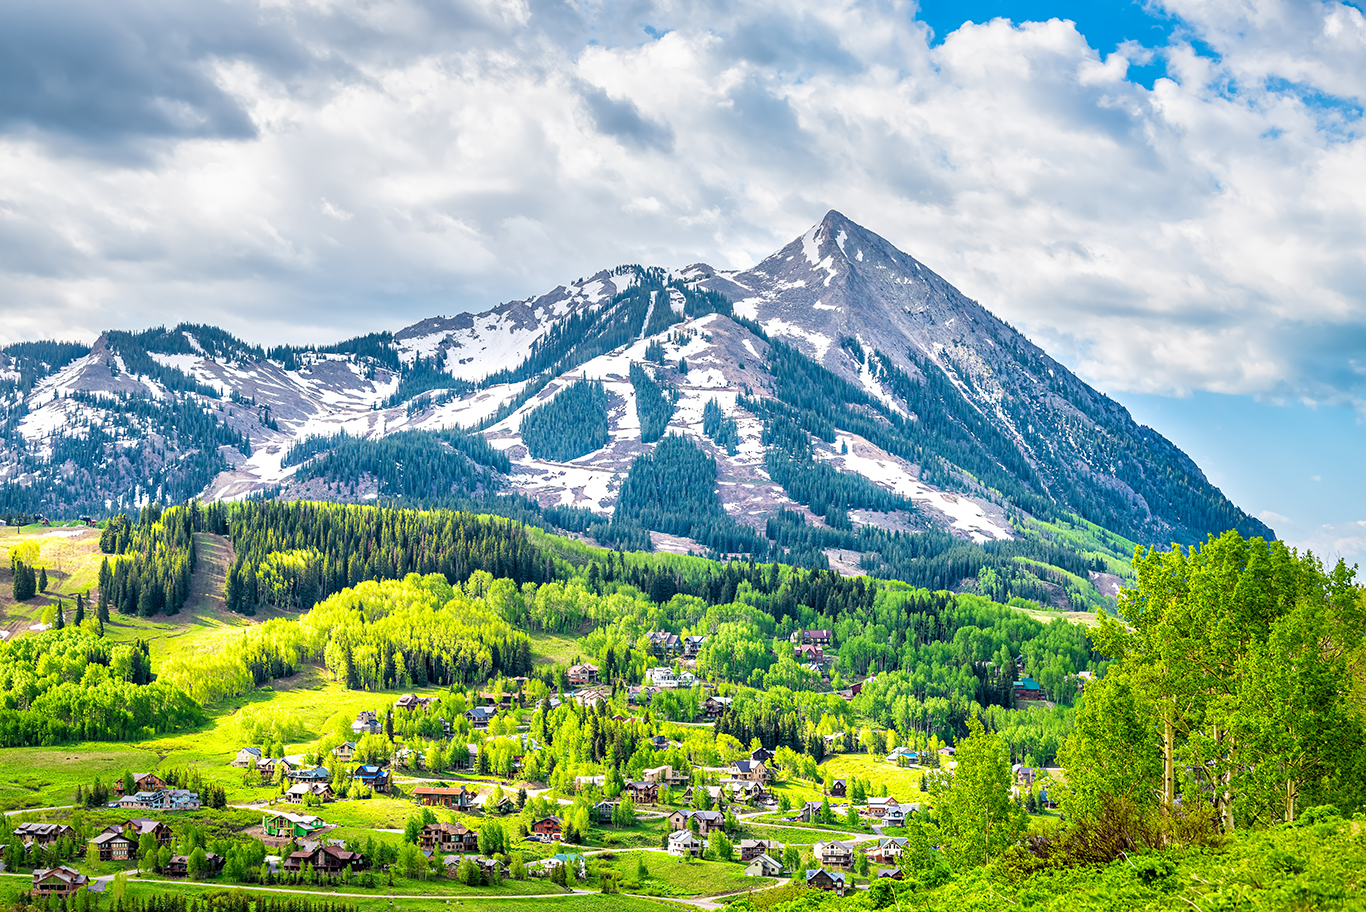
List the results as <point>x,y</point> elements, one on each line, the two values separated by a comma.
<point>296,170</point>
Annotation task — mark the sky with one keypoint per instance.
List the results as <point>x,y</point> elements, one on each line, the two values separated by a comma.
<point>1169,196</point>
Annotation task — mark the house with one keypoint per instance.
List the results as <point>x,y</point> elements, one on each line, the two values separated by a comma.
<point>582,675</point>
<point>504,805</point>
<point>751,849</point>
<point>839,789</point>
<point>246,758</point>
<point>283,825</point>
<point>903,756</point>
<point>138,827</point>
<point>643,792</point>
<point>367,723</point>
<point>480,716</point>
<point>706,820</point>
<point>749,771</point>
<point>161,800</point>
<point>896,816</point>
<point>715,706</point>
<point>763,866</point>
<point>1024,775</point>
<point>682,843</point>
<point>551,827</point>
<point>692,646</point>
<point>179,865</point>
<point>664,643</point>
<point>376,777</point>
<point>142,782</point>
<point>448,837</point>
<point>299,792</point>
<point>411,702</point>
<point>665,775</point>
<point>311,774</point>
<point>1084,678</point>
<point>810,654</point>
<point>113,845</point>
<point>834,854</point>
<point>810,810</point>
<point>603,811</point>
<point>821,879</point>
<point>43,834</point>
<point>592,696</point>
<point>822,638</point>
<point>761,755</point>
<point>1029,689</point>
<point>325,859</point>
<point>58,881</point>
<point>583,782</point>
<point>891,874</point>
<point>878,807</point>
<point>746,791</point>
<point>345,752</point>
<point>573,860</point>
<point>889,850</point>
<point>440,796</point>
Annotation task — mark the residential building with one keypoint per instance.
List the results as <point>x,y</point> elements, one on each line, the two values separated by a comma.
<point>582,675</point>
<point>411,702</point>
<point>246,758</point>
<point>749,771</point>
<point>706,820</point>
<point>822,638</point>
<point>763,866</point>
<point>142,782</point>
<point>1029,689</point>
<point>367,723</point>
<point>715,706</point>
<point>643,792</point>
<point>665,775</point>
<point>834,854</point>
<point>138,827</point>
<point>682,843</point>
<point>441,796</point>
<point>664,643</point>
<point>583,782</point>
<point>897,816</point>
<point>839,789</point>
<point>42,834</point>
<point>603,811</point>
<point>160,800</point>
<point>284,825</point>
<point>179,865</point>
<point>751,849</point>
<point>878,807</point>
<point>889,850</point>
<point>692,646</point>
<point>59,881</point>
<point>551,827</point>
<point>345,751</point>
<point>325,859</point>
<point>299,773</point>
<point>890,874</point>
<point>821,879</point>
<point>448,837</point>
<point>113,845</point>
<point>376,777</point>
<point>761,755</point>
<point>480,716</point>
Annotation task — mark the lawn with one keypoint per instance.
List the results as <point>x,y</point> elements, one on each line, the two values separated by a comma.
<point>903,784</point>
<point>554,648</point>
<point>71,556</point>
<point>48,776</point>
<point>796,835</point>
<point>645,834</point>
<point>671,876</point>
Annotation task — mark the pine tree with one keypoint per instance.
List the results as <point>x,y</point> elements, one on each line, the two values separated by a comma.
<point>42,579</point>
<point>59,619</point>
<point>80,609</point>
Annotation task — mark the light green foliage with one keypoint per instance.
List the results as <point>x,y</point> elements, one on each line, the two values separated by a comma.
<point>1112,756</point>
<point>977,819</point>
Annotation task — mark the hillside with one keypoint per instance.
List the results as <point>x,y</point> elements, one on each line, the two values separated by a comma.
<point>842,406</point>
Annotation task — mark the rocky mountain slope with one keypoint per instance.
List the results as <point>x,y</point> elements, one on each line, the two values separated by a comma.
<point>840,405</point>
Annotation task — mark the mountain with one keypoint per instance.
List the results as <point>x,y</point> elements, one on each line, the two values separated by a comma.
<point>837,404</point>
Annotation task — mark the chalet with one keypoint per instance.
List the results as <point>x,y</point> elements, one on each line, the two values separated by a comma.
<point>480,716</point>
<point>839,789</point>
<point>763,866</point>
<point>715,706</point>
<point>682,844</point>
<point>603,811</point>
<point>491,868</point>
<point>367,723</point>
<point>1028,689</point>
<point>246,758</point>
<point>283,825</point>
<point>582,675</point>
<point>664,643</point>
<point>822,638</point>
<point>810,654</point>
<point>299,792</point>
<point>112,845</point>
<point>551,827</point>
<point>878,807</point>
<point>834,854</point>
<point>809,811</point>
<point>896,816</point>
<point>325,859</point>
<point>345,752</point>
<point>641,696</point>
<point>411,702</point>
<point>376,777</point>
<point>889,850</point>
<point>592,696</point>
<point>179,865</point>
<point>138,827</point>
<point>142,782</point>
<point>58,881</point>
<point>820,879</point>
<point>43,834</point>
<point>665,775</point>
<point>299,773</point>
<point>448,837</point>
<point>160,800</point>
<point>441,796</point>
<point>749,771</point>
<point>761,755</point>
<point>1024,775</point>
<point>751,849</point>
<point>746,791</point>
<point>890,874</point>
<point>706,820</point>
<point>692,646</point>
<point>643,792</point>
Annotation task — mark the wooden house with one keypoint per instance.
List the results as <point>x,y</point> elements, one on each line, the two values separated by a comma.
<point>821,879</point>
<point>460,799</point>
<point>549,827</point>
<point>762,865</point>
<point>60,881</point>
<point>448,837</point>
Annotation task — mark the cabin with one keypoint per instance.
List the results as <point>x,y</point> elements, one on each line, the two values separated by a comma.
<point>142,782</point>
<point>664,643</point>
<point>822,638</point>
<point>43,834</point>
<point>448,837</point>
<point>325,859</point>
<point>1028,689</point>
<point>112,845</point>
<point>810,654</point>
<point>706,820</point>
<point>138,827</point>
<point>761,755</point>
<point>763,866</point>
<point>749,771</point>
<point>283,825</point>
<point>821,879</point>
<point>550,827</point>
<point>683,844</point>
<point>839,789</point>
<point>410,702</point>
<point>751,849</point>
<point>179,865</point>
<point>715,706</point>
<point>60,881</point>
<point>834,854</point>
<point>246,758</point>
<point>889,850</point>
<point>503,805</point>
<point>890,874</point>
<point>582,675</point>
<point>376,777</point>
<point>480,716</point>
<point>643,792</point>
<point>459,799</point>
<point>345,752</point>
<point>603,811</point>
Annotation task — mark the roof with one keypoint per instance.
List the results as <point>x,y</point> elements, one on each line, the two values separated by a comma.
<point>1028,684</point>
<point>836,876</point>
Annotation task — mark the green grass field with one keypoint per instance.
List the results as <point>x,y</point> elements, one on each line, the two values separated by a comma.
<point>554,648</point>
<point>673,877</point>
<point>903,784</point>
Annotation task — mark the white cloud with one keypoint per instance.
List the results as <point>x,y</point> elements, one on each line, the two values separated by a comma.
<point>346,167</point>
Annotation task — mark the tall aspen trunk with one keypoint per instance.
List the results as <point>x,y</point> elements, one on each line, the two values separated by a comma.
<point>1168,764</point>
